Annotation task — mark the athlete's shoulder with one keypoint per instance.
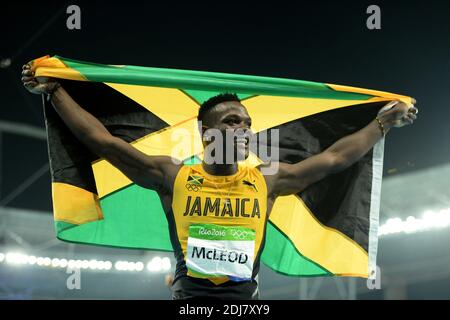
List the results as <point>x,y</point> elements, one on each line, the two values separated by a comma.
<point>270,167</point>
<point>171,169</point>
<point>271,171</point>
<point>186,170</point>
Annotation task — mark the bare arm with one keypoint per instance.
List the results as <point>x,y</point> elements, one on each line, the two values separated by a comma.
<point>293,178</point>
<point>156,172</point>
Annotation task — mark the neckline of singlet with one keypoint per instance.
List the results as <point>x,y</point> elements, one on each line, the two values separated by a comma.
<point>222,180</point>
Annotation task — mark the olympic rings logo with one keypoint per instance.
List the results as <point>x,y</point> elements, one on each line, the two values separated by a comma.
<point>238,234</point>
<point>193,187</point>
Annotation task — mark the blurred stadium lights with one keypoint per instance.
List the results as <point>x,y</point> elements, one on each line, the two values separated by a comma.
<point>157,264</point>
<point>430,220</point>
<point>129,266</point>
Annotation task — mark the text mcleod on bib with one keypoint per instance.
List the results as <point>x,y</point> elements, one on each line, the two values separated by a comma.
<point>217,251</point>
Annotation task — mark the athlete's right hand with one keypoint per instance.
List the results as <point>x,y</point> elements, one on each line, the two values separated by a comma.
<point>38,85</point>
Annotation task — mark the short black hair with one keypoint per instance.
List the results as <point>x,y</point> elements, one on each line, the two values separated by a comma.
<point>213,101</point>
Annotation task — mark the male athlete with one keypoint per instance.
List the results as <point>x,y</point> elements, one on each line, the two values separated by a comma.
<point>217,212</point>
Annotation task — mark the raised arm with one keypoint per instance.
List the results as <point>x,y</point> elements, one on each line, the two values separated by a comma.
<point>293,178</point>
<point>156,172</point>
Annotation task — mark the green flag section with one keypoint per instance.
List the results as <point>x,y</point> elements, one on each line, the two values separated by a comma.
<point>291,262</point>
<point>131,222</point>
<point>329,229</point>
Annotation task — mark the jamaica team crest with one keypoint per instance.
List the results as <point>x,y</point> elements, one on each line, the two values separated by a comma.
<point>194,183</point>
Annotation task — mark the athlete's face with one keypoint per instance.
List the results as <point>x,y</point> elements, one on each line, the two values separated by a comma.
<point>233,120</point>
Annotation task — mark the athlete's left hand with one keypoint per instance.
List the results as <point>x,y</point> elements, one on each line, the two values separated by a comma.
<point>401,114</point>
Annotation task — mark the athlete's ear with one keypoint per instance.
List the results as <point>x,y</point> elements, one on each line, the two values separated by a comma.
<point>202,129</point>
<point>205,135</point>
<point>201,126</point>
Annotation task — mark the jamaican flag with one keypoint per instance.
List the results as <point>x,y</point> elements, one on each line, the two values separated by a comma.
<point>328,229</point>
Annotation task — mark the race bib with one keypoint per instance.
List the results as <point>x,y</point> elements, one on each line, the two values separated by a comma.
<point>217,251</point>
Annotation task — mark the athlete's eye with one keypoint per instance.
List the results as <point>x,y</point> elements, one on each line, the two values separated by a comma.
<point>231,121</point>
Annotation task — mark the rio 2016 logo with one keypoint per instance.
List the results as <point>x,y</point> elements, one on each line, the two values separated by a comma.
<point>238,234</point>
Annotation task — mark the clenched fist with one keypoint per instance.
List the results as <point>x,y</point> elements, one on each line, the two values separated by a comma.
<point>400,114</point>
<point>38,85</point>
